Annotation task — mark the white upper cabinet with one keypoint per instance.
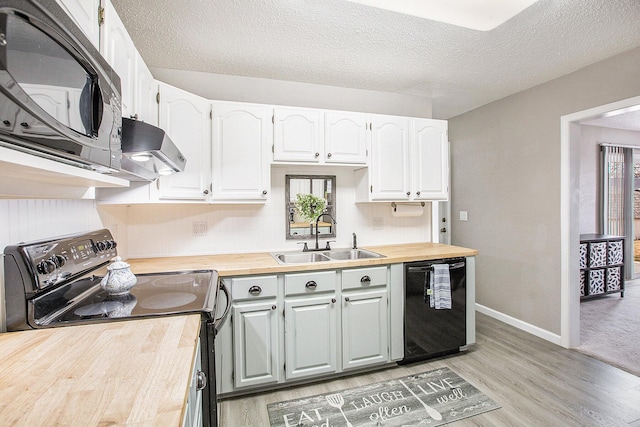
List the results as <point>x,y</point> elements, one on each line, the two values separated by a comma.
<point>409,161</point>
<point>389,158</point>
<point>297,134</point>
<point>85,14</point>
<point>119,51</point>
<point>138,89</point>
<point>306,135</point>
<point>430,155</point>
<point>242,140</point>
<point>145,106</point>
<point>185,117</point>
<point>345,137</point>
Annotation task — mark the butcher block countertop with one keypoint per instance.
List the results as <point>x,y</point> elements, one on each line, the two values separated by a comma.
<point>264,263</point>
<point>134,372</point>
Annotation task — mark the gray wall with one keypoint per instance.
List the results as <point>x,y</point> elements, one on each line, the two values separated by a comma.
<point>266,91</point>
<point>506,174</point>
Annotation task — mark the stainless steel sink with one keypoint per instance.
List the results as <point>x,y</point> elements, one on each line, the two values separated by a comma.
<point>335,254</point>
<point>300,257</point>
<point>343,254</point>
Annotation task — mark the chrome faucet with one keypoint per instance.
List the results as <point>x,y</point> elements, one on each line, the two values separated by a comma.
<point>317,221</point>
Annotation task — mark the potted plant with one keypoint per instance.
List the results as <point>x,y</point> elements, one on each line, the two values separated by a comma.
<point>308,206</point>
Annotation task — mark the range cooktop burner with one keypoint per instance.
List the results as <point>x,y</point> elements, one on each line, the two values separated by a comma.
<point>173,281</point>
<point>167,300</point>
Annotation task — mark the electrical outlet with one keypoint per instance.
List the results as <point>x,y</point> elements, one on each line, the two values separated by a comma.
<point>464,216</point>
<point>199,228</point>
<point>378,224</point>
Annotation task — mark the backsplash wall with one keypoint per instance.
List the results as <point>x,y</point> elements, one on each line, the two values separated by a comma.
<point>166,230</point>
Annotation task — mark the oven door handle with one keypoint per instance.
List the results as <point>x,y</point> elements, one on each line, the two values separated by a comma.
<point>217,324</point>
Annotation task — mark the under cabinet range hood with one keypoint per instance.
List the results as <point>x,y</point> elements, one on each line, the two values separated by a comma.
<point>148,152</point>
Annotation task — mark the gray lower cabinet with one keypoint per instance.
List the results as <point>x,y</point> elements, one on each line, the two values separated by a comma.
<point>193,407</point>
<point>295,326</point>
<point>364,317</point>
<point>310,324</point>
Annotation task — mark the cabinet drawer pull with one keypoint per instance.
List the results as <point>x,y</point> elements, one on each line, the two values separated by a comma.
<point>201,380</point>
<point>255,290</point>
<point>311,285</point>
<point>365,280</point>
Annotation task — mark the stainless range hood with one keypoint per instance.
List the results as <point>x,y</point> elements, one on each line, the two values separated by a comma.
<point>148,152</point>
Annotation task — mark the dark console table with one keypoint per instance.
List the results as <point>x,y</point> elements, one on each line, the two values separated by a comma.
<point>601,265</point>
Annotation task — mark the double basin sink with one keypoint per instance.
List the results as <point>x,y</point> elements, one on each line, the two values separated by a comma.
<point>323,256</point>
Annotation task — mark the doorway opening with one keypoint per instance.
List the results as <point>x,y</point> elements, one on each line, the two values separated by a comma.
<point>570,211</point>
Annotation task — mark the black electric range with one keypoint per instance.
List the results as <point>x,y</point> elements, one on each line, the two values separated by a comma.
<point>56,282</point>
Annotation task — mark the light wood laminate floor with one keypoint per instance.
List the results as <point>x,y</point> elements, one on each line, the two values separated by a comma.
<point>536,383</point>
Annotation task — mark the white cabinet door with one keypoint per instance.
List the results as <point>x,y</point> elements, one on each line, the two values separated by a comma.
<point>241,151</point>
<point>345,137</point>
<point>310,336</point>
<point>255,343</point>
<point>297,135</point>
<point>85,14</point>
<point>364,328</point>
<point>145,105</point>
<point>389,174</point>
<point>430,156</point>
<point>185,118</point>
<point>119,51</point>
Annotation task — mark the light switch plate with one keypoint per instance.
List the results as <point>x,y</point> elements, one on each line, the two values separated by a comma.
<point>464,216</point>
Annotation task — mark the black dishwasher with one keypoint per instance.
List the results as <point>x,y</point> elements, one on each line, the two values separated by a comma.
<point>431,332</point>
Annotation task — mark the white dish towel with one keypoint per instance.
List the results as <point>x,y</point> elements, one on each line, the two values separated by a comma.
<point>441,287</point>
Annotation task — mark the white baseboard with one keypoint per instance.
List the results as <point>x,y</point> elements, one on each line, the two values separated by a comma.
<point>517,323</point>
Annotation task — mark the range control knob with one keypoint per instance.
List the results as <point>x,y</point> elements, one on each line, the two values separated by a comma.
<point>101,246</point>
<point>46,267</point>
<point>58,260</point>
<point>113,244</point>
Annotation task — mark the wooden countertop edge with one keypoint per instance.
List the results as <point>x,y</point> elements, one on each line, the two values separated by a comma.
<point>133,372</point>
<point>264,263</point>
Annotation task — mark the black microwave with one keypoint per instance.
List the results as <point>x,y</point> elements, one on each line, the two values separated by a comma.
<point>58,97</point>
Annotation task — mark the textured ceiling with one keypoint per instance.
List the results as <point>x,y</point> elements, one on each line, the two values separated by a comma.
<point>340,43</point>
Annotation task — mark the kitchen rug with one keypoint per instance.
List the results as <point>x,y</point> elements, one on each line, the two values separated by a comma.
<point>431,398</point>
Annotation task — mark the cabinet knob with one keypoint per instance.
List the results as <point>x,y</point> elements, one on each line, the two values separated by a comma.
<point>365,280</point>
<point>264,192</point>
<point>273,307</point>
<point>311,285</point>
<point>346,299</point>
<point>443,230</point>
<point>329,155</point>
<point>333,300</point>
<point>408,193</point>
<point>255,290</point>
<point>417,193</point>
<point>205,192</point>
<point>317,154</point>
<point>201,380</point>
